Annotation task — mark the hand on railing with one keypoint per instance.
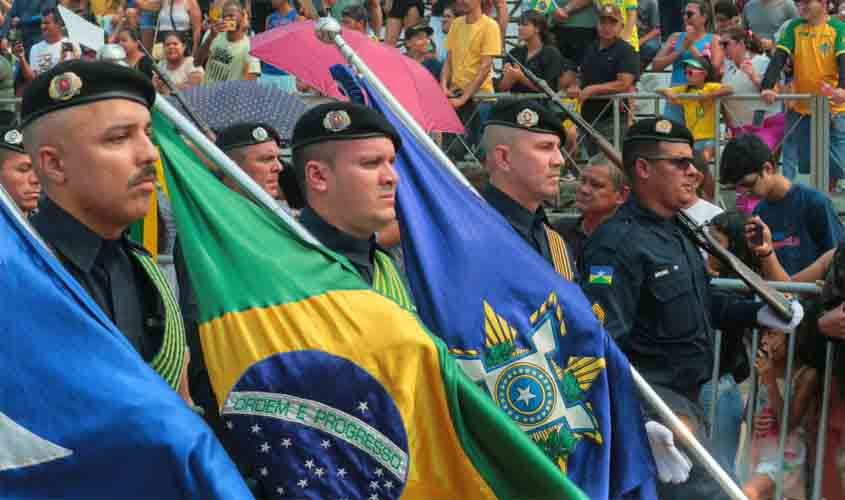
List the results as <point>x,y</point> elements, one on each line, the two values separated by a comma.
<point>832,323</point>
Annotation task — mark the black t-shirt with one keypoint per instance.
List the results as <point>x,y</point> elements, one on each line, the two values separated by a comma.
<point>547,64</point>
<point>604,65</point>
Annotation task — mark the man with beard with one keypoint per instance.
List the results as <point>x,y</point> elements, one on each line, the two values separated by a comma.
<point>87,129</point>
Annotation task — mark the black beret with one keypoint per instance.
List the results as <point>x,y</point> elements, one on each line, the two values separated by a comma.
<point>11,139</point>
<point>246,134</point>
<point>743,155</point>
<point>526,114</point>
<point>658,129</point>
<point>340,121</point>
<point>76,82</point>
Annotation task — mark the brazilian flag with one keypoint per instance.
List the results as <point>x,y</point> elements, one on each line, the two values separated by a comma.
<point>330,389</point>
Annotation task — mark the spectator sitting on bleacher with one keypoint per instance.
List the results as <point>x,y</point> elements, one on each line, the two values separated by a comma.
<point>537,54</point>
<point>727,16</point>
<point>613,68</point>
<point>418,48</point>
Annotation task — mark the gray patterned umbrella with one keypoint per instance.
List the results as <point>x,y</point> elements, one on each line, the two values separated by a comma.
<point>223,104</point>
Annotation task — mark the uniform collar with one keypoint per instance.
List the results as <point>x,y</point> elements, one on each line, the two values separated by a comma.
<point>71,238</point>
<point>519,217</point>
<point>639,210</point>
<point>354,249</point>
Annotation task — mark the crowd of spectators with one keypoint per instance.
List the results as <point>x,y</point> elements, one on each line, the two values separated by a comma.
<point>587,51</point>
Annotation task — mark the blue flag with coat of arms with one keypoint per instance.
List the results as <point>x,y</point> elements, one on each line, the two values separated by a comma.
<point>82,416</point>
<point>525,335</point>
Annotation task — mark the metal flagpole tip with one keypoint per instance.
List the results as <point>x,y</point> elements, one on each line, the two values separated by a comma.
<point>112,52</point>
<point>327,29</point>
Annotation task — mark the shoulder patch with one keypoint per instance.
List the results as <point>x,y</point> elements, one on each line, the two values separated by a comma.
<point>601,275</point>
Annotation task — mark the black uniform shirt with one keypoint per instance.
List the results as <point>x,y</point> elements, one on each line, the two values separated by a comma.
<point>573,234</point>
<point>358,251</point>
<point>107,271</point>
<point>531,226</point>
<point>649,280</point>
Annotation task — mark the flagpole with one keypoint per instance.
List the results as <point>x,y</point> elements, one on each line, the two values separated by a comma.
<point>230,168</point>
<point>328,31</point>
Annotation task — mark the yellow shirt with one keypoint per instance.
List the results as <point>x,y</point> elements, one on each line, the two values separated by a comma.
<point>814,50</point>
<point>626,6</point>
<point>572,105</point>
<point>699,114</point>
<point>466,44</point>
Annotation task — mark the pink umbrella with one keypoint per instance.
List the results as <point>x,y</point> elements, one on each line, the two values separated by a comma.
<point>296,49</point>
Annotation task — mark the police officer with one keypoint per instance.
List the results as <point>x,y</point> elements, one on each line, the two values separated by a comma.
<point>86,126</point>
<point>343,155</point>
<point>649,285</point>
<point>522,141</point>
<point>255,148</point>
<point>16,173</point>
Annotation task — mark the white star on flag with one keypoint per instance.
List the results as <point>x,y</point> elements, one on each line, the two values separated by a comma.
<point>341,472</point>
<point>309,464</point>
<point>373,497</point>
<point>319,471</point>
<point>280,490</point>
<point>379,472</point>
<point>525,395</point>
<point>326,444</point>
<point>388,484</point>
<point>255,429</point>
<point>302,483</point>
<point>374,485</point>
<point>264,471</point>
<point>265,447</point>
<point>230,425</point>
<point>286,443</point>
<point>362,407</point>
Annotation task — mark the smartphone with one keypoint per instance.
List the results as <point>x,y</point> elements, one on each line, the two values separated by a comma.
<point>759,118</point>
<point>230,24</point>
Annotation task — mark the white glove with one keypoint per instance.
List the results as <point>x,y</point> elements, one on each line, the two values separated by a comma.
<point>672,465</point>
<point>767,317</point>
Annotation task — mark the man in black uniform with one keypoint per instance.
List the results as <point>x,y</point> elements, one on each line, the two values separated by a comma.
<point>343,155</point>
<point>255,148</point>
<point>649,285</point>
<point>86,127</point>
<point>16,173</point>
<point>522,145</point>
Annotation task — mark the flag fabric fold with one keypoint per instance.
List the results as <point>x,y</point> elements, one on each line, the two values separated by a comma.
<point>82,416</point>
<point>525,335</point>
<point>329,389</point>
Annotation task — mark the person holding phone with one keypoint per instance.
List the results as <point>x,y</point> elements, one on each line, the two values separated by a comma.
<point>50,51</point>
<point>225,50</point>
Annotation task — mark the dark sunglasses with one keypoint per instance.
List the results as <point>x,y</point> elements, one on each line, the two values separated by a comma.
<point>680,162</point>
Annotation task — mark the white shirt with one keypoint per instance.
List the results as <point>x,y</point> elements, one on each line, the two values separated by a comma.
<point>702,211</point>
<point>743,111</point>
<point>43,56</point>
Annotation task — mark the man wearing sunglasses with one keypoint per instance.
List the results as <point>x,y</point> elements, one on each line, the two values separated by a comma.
<point>802,220</point>
<point>648,283</point>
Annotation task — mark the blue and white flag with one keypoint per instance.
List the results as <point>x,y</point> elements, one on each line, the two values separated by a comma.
<point>81,415</point>
<point>526,336</point>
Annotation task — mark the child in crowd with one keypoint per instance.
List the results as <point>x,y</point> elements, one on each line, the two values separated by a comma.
<point>771,367</point>
<point>569,77</point>
<point>700,113</point>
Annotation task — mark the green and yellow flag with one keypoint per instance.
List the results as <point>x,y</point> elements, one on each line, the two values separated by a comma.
<point>330,389</point>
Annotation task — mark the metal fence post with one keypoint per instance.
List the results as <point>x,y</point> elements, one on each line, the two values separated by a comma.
<point>784,416</point>
<point>818,475</point>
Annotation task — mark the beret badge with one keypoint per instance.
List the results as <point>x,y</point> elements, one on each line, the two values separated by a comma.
<point>13,137</point>
<point>65,86</point>
<point>336,121</point>
<point>527,118</point>
<point>259,134</point>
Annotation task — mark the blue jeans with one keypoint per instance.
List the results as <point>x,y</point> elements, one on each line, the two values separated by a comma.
<point>725,429</point>
<point>796,146</point>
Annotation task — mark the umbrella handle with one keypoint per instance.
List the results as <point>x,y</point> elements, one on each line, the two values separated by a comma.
<point>175,93</point>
